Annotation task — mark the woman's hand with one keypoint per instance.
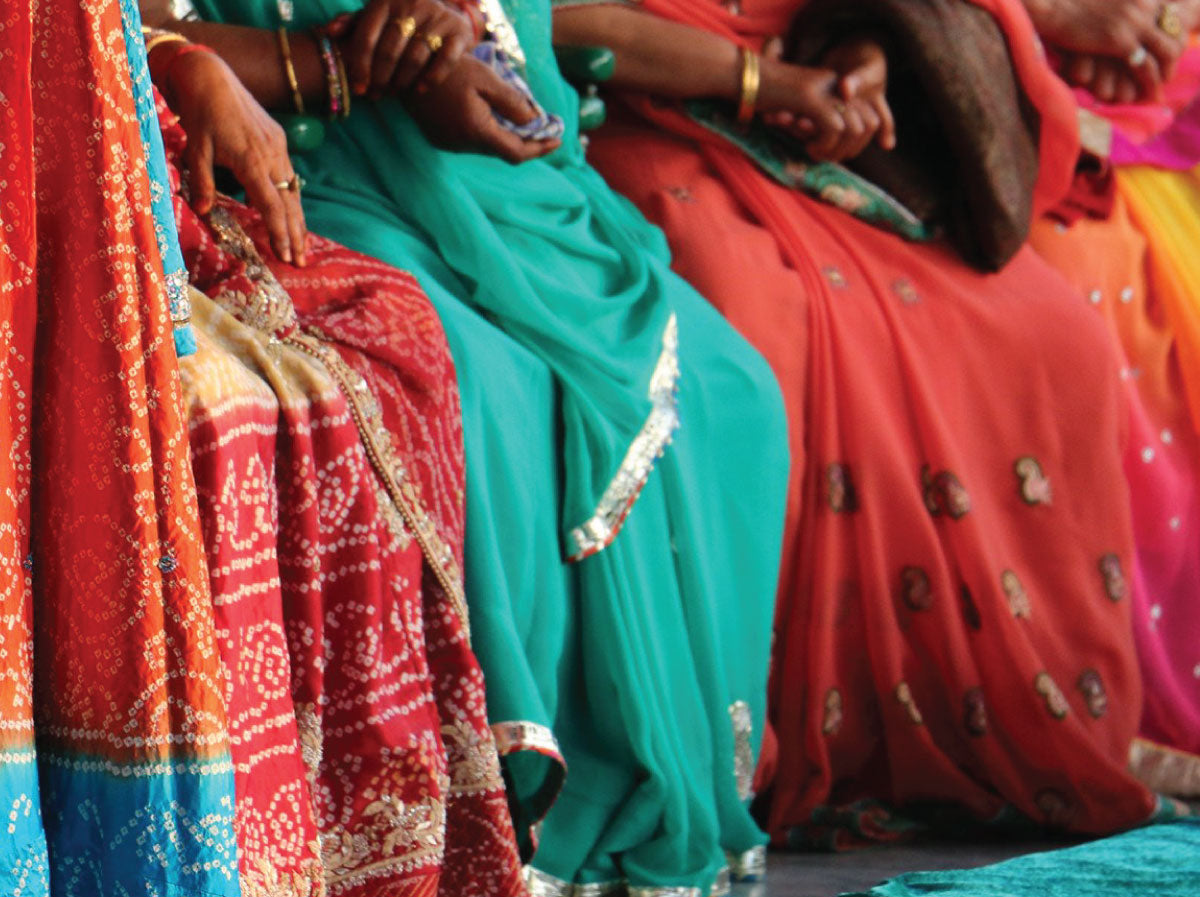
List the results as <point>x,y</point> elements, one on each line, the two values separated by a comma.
<point>837,109</point>
<point>1117,29</point>
<point>395,45</point>
<point>226,126</point>
<point>458,114</point>
<point>1108,80</point>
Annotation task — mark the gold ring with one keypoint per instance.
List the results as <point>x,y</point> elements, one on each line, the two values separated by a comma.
<point>1138,57</point>
<point>1169,22</point>
<point>407,26</point>
<point>432,41</point>
<point>294,184</point>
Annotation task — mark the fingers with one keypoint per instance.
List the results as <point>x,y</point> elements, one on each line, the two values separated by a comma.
<point>393,46</point>
<point>1081,71</point>
<point>436,48</point>
<point>363,43</point>
<point>505,99</point>
<point>1127,88</point>
<point>887,124</point>
<point>1104,84</point>
<point>296,226</point>
<point>265,197</point>
<point>445,60</point>
<point>1164,50</point>
<point>198,159</point>
<point>508,146</point>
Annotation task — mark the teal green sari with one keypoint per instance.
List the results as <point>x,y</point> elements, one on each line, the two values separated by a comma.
<point>641,660</point>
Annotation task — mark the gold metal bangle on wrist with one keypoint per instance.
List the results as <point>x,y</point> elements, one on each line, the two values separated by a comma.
<point>289,69</point>
<point>156,38</point>
<point>751,81</point>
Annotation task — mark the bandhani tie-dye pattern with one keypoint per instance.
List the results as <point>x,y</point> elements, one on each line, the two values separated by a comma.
<point>107,638</point>
<point>327,447</point>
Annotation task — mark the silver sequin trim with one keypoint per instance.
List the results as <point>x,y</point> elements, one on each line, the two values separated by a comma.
<point>542,885</point>
<point>743,752</point>
<point>748,866</point>
<point>596,534</point>
<point>502,31</point>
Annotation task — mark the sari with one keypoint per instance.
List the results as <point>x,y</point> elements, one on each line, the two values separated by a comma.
<point>1136,266</point>
<point>115,760</point>
<point>625,474</point>
<point>326,446</point>
<point>953,624</point>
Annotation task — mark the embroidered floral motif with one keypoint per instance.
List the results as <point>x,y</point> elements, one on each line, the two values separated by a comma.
<point>1114,577</point>
<point>832,722</point>
<point>915,588</point>
<point>904,697</point>
<point>1055,807</point>
<point>836,278</point>
<point>906,292</point>
<point>1034,484</point>
<point>1095,696</point>
<point>970,609</point>
<point>975,712</point>
<point>1018,598</point>
<point>945,493</point>
<point>1056,702</point>
<point>682,194</point>
<point>841,493</point>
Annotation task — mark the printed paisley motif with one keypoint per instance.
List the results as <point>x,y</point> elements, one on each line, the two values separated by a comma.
<point>1056,702</point>
<point>1095,696</point>
<point>945,494</point>
<point>1114,577</point>
<point>1034,484</point>
<point>841,493</point>
<point>915,588</point>
<point>1018,598</point>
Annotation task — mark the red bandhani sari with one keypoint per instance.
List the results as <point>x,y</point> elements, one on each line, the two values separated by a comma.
<point>954,616</point>
<point>327,451</point>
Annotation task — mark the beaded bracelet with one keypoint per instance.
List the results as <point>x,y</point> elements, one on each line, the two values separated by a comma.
<point>329,64</point>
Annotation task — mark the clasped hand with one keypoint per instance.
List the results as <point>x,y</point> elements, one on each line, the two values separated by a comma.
<point>836,109</point>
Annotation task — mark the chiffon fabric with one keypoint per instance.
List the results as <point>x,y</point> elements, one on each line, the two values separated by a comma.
<point>327,449</point>
<point>115,769</point>
<point>1138,269</point>
<point>642,662</point>
<point>953,625</point>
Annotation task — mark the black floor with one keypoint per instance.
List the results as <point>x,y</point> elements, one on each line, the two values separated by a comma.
<point>827,875</point>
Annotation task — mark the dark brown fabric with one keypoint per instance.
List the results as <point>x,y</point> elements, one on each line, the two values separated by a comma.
<point>967,152</point>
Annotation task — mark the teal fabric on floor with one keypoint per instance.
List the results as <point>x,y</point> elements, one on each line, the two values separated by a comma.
<point>1156,861</point>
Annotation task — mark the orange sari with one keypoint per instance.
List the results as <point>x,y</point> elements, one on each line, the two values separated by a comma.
<point>954,619</point>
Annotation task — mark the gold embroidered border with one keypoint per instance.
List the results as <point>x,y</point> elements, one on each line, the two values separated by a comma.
<point>391,471</point>
<point>1165,770</point>
<point>597,533</point>
<point>269,309</point>
<point>542,885</point>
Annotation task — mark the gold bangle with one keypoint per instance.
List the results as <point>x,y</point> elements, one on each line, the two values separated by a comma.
<point>343,80</point>
<point>158,38</point>
<point>751,80</point>
<point>289,70</point>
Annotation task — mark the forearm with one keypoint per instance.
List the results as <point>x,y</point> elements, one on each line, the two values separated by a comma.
<point>654,55</point>
<point>254,55</point>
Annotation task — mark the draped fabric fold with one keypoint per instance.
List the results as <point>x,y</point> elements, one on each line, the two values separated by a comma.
<point>110,649</point>
<point>558,305</point>
<point>327,446</point>
<point>954,613</point>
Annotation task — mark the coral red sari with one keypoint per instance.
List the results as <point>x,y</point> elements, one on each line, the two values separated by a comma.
<point>954,615</point>
<point>327,451</point>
